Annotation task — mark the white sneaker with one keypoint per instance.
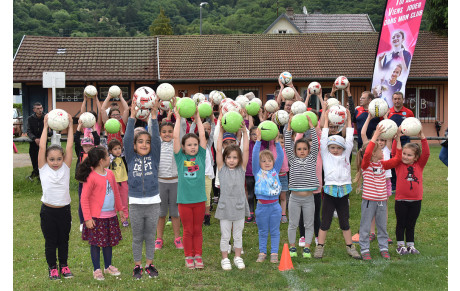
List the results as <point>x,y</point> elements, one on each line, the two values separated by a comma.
<point>81,227</point>
<point>316,240</point>
<point>302,241</point>
<point>239,263</point>
<point>229,248</point>
<point>225,263</point>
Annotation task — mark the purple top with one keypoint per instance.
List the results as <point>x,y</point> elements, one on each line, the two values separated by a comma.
<point>263,146</point>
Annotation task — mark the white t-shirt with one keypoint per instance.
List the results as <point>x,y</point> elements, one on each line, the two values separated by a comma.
<point>55,185</point>
<point>386,157</point>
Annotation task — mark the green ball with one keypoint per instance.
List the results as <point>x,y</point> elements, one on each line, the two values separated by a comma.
<point>186,107</point>
<point>299,123</point>
<point>313,117</point>
<point>205,109</point>
<point>268,130</point>
<point>253,108</point>
<point>112,125</point>
<point>231,121</point>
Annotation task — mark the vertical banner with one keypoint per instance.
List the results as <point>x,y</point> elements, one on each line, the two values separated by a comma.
<point>396,47</point>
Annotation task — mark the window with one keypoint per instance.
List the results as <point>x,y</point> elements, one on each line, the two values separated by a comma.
<point>283,31</point>
<point>423,102</point>
<point>314,102</point>
<point>69,94</point>
<point>232,92</point>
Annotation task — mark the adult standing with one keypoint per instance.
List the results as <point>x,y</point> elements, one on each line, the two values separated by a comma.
<point>34,132</point>
<point>361,113</point>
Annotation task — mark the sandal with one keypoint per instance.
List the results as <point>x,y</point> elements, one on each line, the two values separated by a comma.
<point>261,258</point>
<point>274,258</point>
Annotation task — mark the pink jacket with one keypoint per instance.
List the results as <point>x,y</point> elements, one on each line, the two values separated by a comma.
<point>319,161</point>
<point>93,194</point>
<point>285,166</point>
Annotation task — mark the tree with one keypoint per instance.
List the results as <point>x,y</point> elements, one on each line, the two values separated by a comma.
<point>437,15</point>
<point>40,11</point>
<point>161,25</point>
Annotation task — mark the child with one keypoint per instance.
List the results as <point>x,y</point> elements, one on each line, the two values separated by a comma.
<point>335,153</point>
<point>302,183</point>
<point>100,201</point>
<point>120,170</point>
<point>249,178</point>
<point>409,192</point>
<point>233,205</point>
<point>82,148</point>
<point>167,182</point>
<point>370,162</point>
<point>191,193</point>
<point>55,216</point>
<point>142,152</point>
<point>267,189</point>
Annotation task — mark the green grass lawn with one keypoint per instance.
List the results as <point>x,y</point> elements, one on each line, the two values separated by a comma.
<point>336,270</point>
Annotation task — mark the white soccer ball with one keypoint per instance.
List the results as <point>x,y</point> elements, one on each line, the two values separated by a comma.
<point>337,115</point>
<point>142,114</point>
<point>87,119</point>
<point>230,105</point>
<point>341,82</point>
<point>145,97</point>
<point>250,95</point>
<point>298,107</point>
<point>378,107</point>
<point>90,91</point>
<point>166,91</point>
<point>411,126</point>
<point>165,105</point>
<point>288,93</point>
<point>257,100</point>
<point>332,102</point>
<point>281,117</point>
<point>271,106</point>
<point>198,97</point>
<point>390,128</point>
<point>242,100</point>
<point>114,91</point>
<point>314,88</point>
<point>218,97</point>
<point>285,78</point>
<point>58,119</point>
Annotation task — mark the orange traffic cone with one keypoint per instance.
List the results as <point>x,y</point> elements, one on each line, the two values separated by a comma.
<point>286,262</point>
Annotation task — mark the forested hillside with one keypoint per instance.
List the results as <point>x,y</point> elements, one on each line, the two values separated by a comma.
<point>133,17</point>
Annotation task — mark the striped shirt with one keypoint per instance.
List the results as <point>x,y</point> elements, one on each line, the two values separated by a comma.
<point>302,172</point>
<point>374,183</point>
<point>167,167</point>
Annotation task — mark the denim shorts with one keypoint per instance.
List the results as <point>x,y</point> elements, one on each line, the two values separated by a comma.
<point>284,183</point>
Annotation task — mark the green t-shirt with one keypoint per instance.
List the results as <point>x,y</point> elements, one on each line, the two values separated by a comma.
<point>191,173</point>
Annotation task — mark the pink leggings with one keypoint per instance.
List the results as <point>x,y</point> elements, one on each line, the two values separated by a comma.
<point>191,216</point>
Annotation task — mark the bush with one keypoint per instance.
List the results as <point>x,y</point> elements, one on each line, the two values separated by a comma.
<point>18,106</point>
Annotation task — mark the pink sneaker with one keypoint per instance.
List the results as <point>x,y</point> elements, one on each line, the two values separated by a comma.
<point>158,244</point>
<point>178,243</point>
<point>198,260</point>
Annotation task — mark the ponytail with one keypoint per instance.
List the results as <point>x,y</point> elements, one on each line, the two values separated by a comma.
<point>95,155</point>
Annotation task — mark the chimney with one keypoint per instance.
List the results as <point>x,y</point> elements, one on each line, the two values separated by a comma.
<point>290,12</point>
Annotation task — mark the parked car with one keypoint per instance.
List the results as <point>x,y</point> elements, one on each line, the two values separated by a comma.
<point>17,122</point>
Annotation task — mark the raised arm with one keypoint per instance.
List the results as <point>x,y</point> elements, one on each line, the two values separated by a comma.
<point>200,126</point>
<point>279,157</point>
<point>156,141</point>
<point>364,129</point>
<point>104,107</point>
<point>219,157</point>
<point>177,131</point>
<point>255,154</point>
<point>68,149</point>
<point>128,139</point>
<point>351,103</point>
<point>245,146</point>
<point>425,149</point>
<point>42,145</point>
<point>83,104</point>
<point>124,107</point>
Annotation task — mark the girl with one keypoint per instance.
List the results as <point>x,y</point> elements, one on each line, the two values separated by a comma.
<point>409,192</point>
<point>267,189</point>
<point>142,152</point>
<point>302,183</point>
<point>191,193</point>
<point>55,217</point>
<point>120,170</point>
<point>100,199</point>
<point>370,162</point>
<point>233,205</point>
<point>167,183</point>
<point>335,153</point>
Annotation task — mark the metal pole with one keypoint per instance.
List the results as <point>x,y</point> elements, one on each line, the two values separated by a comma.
<point>200,19</point>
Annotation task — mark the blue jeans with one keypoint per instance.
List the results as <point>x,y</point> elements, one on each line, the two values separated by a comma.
<point>443,155</point>
<point>268,219</point>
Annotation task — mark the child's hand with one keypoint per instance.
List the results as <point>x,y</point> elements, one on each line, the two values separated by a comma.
<point>259,134</point>
<point>421,135</point>
<point>380,128</point>
<point>134,109</point>
<point>80,124</point>
<point>122,216</point>
<point>386,114</point>
<point>90,224</point>
<point>310,123</point>
<point>156,105</point>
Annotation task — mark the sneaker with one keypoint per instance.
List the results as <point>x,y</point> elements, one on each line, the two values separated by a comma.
<point>238,261</point>
<point>137,272</point>
<point>293,252</point>
<point>284,219</point>
<point>112,271</point>
<point>215,200</point>
<point>274,258</point>
<point>318,252</point>
<point>81,227</point>
<point>168,222</point>
<point>401,250</point>
<point>98,275</point>
<point>178,243</point>
<point>316,240</point>
<point>125,223</point>
<point>372,237</point>
<point>306,253</point>
<point>390,241</point>
<point>225,263</point>
<point>366,256</point>
<point>158,244</point>
<point>198,260</point>
<point>250,219</point>
<point>335,214</point>
<point>355,238</point>
<point>261,258</point>
<point>65,271</point>
<point>412,250</point>
<point>151,271</point>
<point>54,274</point>
<point>207,220</point>
<point>353,252</point>
<point>302,241</point>
<point>189,263</point>
<point>385,255</point>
